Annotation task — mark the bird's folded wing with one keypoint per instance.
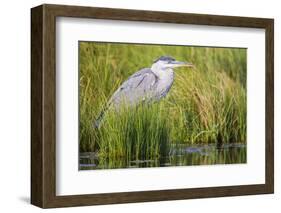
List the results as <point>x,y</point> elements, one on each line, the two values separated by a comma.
<point>136,87</point>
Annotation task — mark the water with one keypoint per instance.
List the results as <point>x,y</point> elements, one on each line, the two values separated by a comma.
<point>179,155</point>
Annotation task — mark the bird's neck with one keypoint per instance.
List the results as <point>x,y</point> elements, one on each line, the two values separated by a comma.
<point>161,72</point>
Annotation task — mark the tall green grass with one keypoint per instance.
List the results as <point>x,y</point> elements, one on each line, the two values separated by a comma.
<point>140,132</point>
<point>205,105</point>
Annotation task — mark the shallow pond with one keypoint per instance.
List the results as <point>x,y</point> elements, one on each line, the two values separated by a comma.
<point>179,155</point>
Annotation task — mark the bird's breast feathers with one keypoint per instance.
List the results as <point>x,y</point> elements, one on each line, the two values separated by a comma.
<point>166,79</point>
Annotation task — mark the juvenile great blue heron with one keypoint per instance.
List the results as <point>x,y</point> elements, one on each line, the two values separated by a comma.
<point>146,85</point>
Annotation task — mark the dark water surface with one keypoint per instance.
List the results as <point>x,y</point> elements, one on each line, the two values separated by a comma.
<point>179,155</point>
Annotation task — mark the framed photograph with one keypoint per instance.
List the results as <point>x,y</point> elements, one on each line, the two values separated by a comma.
<point>136,106</point>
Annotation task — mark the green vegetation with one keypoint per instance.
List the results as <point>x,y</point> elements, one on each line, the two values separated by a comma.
<point>139,133</point>
<point>205,105</point>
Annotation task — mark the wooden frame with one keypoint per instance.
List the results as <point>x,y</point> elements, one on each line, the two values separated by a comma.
<point>43,106</point>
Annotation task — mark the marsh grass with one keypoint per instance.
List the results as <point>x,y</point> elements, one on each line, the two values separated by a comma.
<point>141,132</point>
<point>205,105</point>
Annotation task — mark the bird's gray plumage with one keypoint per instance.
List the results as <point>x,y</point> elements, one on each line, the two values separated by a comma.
<point>146,85</point>
<point>139,87</point>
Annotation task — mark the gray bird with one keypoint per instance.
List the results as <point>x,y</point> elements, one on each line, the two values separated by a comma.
<point>146,85</point>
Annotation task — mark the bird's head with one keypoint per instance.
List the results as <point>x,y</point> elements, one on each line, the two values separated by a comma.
<point>168,62</point>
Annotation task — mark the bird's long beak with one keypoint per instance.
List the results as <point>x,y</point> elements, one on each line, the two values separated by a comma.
<point>183,64</point>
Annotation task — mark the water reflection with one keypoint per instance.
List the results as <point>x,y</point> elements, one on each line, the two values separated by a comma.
<point>179,155</point>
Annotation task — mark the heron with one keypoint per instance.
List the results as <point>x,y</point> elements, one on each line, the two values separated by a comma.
<point>144,86</point>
